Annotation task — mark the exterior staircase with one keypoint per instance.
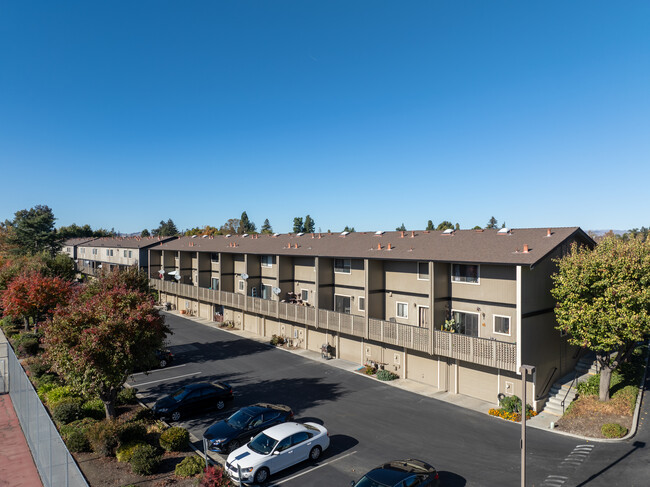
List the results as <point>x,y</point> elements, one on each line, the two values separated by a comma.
<point>565,388</point>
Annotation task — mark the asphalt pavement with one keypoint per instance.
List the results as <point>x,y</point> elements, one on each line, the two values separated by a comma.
<point>371,422</point>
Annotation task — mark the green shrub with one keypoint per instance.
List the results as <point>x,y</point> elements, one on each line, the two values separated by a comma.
<point>27,344</point>
<point>145,459</point>
<point>67,410</point>
<point>215,476</point>
<point>124,453</point>
<point>512,404</point>
<point>190,466</point>
<point>93,408</point>
<point>629,394</point>
<point>56,394</point>
<point>277,340</point>
<point>36,366</point>
<point>127,396</point>
<point>44,389</point>
<point>175,439</point>
<point>103,437</point>
<point>76,441</point>
<point>9,327</point>
<point>386,375</point>
<point>613,430</point>
<point>48,378</point>
<point>131,432</point>
<point>139,414</point>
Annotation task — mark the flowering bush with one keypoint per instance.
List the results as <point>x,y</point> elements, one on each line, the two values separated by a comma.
<point>511,416</point>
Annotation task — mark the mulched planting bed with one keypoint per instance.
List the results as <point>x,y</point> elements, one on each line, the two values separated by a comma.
<point>587,415</point>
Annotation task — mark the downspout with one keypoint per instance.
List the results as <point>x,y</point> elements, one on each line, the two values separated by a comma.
<point>518,315</point>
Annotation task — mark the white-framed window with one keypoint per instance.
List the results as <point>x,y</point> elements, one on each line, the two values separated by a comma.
<point>342,303</point>
<point>215,283</point>
<point>468,273</point>
<point>266,260</point>
<point>304,294</point>
<point>466,323</point>
<point>94,251</point>
<point>130,254</point>
<point>125,253</point>
<point>502,325</point>
<point>402,310</point>
<point>342,266</point>
<point>241,284</point>
<point>362,303</point>
<point>83,251</point>
<point>423,271</point>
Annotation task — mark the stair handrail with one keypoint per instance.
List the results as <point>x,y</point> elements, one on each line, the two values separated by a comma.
<point>548,381</point>
<point>575,378</point>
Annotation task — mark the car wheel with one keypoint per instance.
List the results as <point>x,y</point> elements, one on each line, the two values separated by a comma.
<point>221,405</point>
<point>261,475</point>
<point>232,446</point>
<point>314,454</point>
<point>176,416</point>
<point>162,364</point>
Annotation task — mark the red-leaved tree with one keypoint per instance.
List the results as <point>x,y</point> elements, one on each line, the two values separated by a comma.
<point>31,295</point>
<point>109,329</point>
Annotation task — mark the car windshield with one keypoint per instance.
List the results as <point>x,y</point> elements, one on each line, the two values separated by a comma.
<point>180,394</point>
<point>239,420</point>
<point>368,482</point>
<point>262,444</point>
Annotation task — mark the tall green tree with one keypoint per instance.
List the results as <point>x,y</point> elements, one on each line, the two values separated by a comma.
<point>603,300</point>
<point>109,330</point>
<point>266,227</point>
<point>32,232</point>
<point>492,223</point>
<point>298,225</point>
<point>245,225</point>
<point>309,225</point>
<point>444,225</point>
<point>430,226</point>
<point>401,228</point>
<point>166,229</point>
<point>348,229</point>
<point>145,233</point>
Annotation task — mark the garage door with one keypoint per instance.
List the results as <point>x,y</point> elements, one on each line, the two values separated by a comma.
<point>477,381</point>
<point>422,369</point>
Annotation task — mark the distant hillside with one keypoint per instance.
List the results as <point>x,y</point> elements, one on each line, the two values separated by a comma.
<point>600,233</point>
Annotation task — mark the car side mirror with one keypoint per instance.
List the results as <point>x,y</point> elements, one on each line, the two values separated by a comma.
<point>252,438</point>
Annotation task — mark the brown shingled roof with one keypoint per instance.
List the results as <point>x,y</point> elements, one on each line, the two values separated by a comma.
<point>78,241</point>
<point>128,242</point>
<point>486,246</point>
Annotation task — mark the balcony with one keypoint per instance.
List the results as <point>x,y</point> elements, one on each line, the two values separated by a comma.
<point>482,351</point>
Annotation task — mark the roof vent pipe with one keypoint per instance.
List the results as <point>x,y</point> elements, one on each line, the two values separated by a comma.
<point>412,233</point>
<point>390,247</point>
<point>295,246</point>
<point>525,248</point>
<point>401,234</point>
<point>548,232</point>
<point>378,246</point>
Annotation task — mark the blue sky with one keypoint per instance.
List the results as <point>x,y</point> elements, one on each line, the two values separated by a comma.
<point>362,113</point>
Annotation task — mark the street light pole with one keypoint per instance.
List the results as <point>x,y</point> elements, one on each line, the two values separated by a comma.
<point>525,369</point>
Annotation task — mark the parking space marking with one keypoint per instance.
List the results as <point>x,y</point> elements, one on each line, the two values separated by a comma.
<point>167,379</point>
<point>158,370</point>
<point>315,468</point>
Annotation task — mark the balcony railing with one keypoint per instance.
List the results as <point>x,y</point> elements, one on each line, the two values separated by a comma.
<point>482,351</point>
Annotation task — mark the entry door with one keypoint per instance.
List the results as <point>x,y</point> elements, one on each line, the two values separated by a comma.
<point>342,304</point>
<point>423,316</point>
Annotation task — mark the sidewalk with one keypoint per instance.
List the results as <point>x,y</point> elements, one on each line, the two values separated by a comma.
<point>17,468</point>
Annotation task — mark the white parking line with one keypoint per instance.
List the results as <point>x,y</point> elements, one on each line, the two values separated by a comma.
<point>315,468</point>
<point>159,370</point>
<point>163,380</point>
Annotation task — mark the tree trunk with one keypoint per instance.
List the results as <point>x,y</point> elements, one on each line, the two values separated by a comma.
<point>109,399</point>
<point>605,380</point>
<point>26,321</point>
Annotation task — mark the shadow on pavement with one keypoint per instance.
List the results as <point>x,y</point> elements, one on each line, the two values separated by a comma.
<point>636,446</point>
<point>450,479</point>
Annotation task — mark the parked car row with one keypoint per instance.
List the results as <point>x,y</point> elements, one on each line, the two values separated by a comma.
<point>262,439</point>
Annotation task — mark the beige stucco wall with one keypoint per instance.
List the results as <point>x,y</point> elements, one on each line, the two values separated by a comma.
<point>496,284</point>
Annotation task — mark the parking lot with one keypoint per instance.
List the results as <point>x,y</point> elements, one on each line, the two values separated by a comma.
<point>369,422</point>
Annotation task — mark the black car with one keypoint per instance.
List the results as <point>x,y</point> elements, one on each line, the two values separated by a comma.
<point>192,399</point>
<point>401,473</point>
<point>229,434</point>
<point>164,357</point>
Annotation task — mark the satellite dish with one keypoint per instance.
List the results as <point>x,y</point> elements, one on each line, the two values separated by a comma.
<point>161,272</point>
<point>276,290</point>
<point>244,276</point>
<point>177,277</point>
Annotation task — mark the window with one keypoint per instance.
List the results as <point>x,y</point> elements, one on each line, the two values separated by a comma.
<point>342,266</point>
<point>254,292</point>
<point>215,283</point>
<point>266,260</point>
<point>304,294</point>
<point>502,325</point>
<point>465,273</point>
<point>266,291</point>
<point>362,303</point>
<point>467,323</point>
<point>423,271</point>
<point>241,285</point>
<point>214,257</point>
<point>342,304</point>
<point>130,254</point>
<point>94,251</point>
<point>403,310</point>
<point>83,251</point>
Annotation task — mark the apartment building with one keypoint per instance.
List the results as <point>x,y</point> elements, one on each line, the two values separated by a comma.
<point>109,253</point>
<point>458,310</point>
<point>71,245</point>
